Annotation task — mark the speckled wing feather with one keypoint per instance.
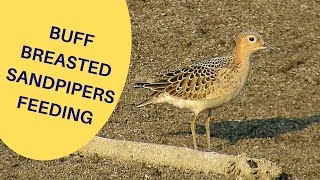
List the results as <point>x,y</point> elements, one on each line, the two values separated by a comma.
<point>193,82</point>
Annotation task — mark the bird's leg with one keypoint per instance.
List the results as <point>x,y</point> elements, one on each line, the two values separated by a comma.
<point>208,129</point>
<point>193,131</point>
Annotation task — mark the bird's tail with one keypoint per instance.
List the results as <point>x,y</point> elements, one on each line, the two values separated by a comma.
<point>154,96</point>
<point>147,102</point>
<point>141,85</point>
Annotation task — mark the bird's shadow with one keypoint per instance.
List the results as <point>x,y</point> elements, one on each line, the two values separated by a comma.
<point>256,128</point>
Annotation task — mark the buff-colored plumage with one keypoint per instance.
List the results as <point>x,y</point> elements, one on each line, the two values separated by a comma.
<point>209,84</point>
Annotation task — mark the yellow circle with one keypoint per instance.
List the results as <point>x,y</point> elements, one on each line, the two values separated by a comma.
<point>63,68</point>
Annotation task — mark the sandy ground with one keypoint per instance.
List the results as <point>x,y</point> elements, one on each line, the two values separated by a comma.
<point>276,117</point>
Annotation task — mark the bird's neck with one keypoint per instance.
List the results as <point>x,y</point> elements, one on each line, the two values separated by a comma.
<point>241,56</point>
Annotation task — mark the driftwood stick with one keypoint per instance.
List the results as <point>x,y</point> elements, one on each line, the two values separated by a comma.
<point>240,167</point>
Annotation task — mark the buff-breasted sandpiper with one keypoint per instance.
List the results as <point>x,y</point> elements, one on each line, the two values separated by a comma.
<point>209,84</point>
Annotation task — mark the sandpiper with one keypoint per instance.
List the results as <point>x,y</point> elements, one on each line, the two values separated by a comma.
<point>208,84</point>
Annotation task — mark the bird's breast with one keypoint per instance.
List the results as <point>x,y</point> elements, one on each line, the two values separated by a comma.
<point>229,85</point>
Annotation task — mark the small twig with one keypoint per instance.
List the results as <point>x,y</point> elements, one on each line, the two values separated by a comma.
<point>240,167</point>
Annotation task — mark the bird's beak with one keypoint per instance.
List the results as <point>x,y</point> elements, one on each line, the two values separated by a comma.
<point>266,46</point>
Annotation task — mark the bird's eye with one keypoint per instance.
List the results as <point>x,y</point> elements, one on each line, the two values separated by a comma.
<point>252,39</point>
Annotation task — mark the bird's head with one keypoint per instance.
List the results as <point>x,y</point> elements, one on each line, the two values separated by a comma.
<point>250,41</point>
